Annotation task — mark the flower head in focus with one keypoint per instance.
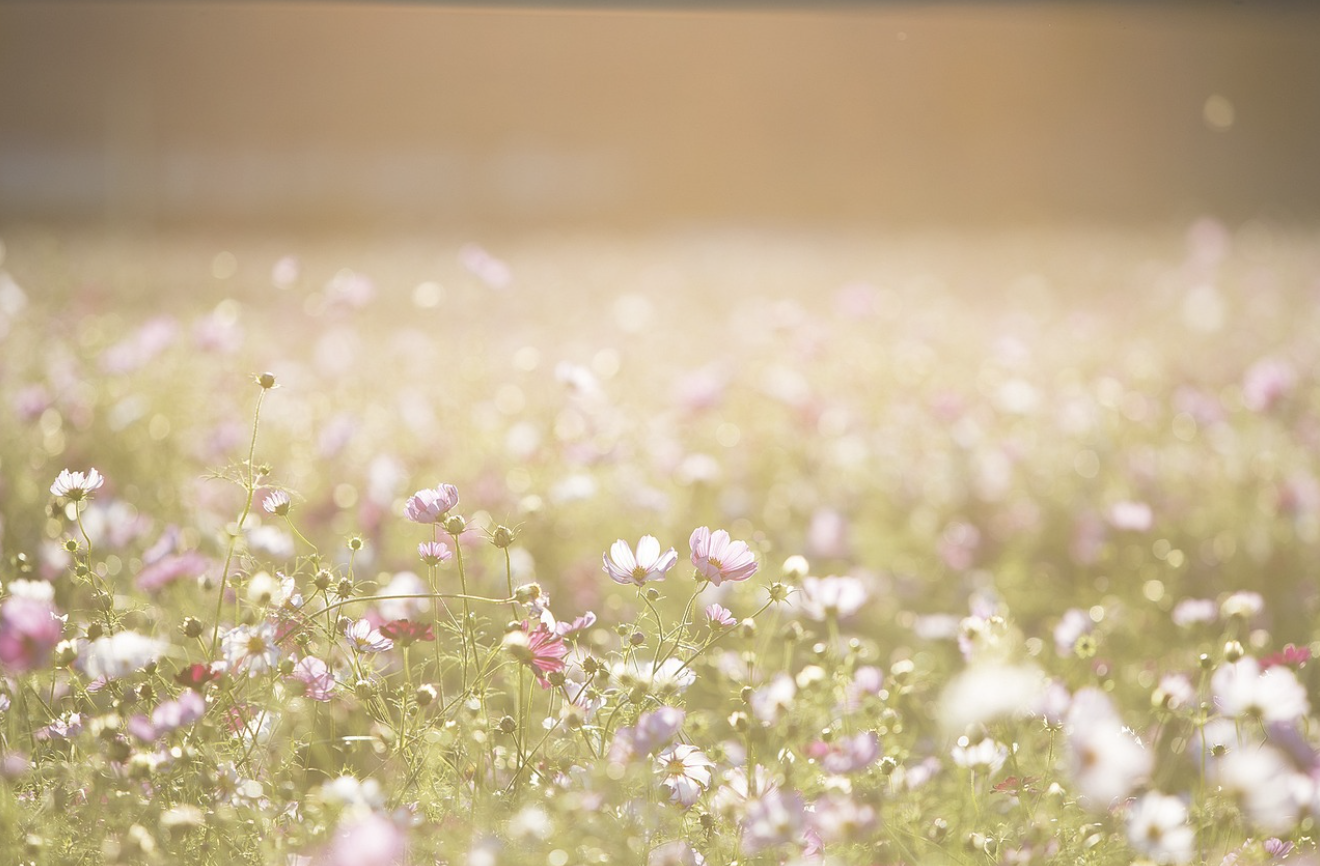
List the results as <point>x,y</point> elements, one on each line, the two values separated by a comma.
<point>76,486</point>
<point>648,564</point>
<point>720,559</point>
<point>431,505</point>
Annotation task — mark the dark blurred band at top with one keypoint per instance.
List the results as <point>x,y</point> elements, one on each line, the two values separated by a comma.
<point>338,115</point>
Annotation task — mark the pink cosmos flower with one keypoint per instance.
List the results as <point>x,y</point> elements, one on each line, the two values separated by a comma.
<point>647,565</point>
<point>75,486</point>
<point>719,559</point>
<point>369,840</point>
<point>430,506</point>
<point>838,597</point>
<point>564,629</point>
<point>686,772</point>
<point>653,730</point>
<point>776,817</point>
<point>434,552</point>
<point>315,676</point>
<point>364,638</point>
<point>846,754</point>
<point>29,631</point>
<point>720,615</point>
<point>539,648</point>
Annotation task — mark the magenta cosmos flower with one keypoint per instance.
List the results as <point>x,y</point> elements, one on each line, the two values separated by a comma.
<point>539,648</point>
<point>719,559</point>
<point>29,631</point>
<point>430,506</point>
<point>647,564</point>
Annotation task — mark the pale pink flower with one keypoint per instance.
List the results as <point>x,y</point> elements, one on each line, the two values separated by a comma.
<point>1131,516</point>
<point>775,818</point>
<point>647,565</point>
<point>674,853</point>
<point>720,615</point>
<point>719,559</point>
<point>367,840</point>
<point>686,772</point>
<point>365,638</point>
<point>29,631</point>
<point>430,506</point>
<point>653,730</point>
<point>846,754</point>
<point>434,552</point>
<point>836,597</point>
<point>315,676</point>
<point>75,486</point>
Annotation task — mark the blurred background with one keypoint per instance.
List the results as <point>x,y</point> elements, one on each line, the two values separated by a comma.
<point>376,117</point>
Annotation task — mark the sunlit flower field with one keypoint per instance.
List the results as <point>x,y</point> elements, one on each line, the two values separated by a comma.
<point>705,547</point>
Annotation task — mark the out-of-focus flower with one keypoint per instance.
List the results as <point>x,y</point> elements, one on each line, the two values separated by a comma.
<point>674,853</point>
<point>985,756</point>
<point>1242,689</point>
<point>29,630</point>
<point>1243,604</point>
<point>1290,656</point>
<point>1074,623</point>
<point>988,691</point>
<point>367,839</point>
<point>648,564</point>
<point>316,678</point>
<point>118,655</point>
<point>1191,611</point>
<point>405,632</point>
<point>837,597</point>
<point>585,621</point>
<point>772,819</point>
<point>1158,828</point>
<point>1266,382</point>
<point>1264,783</point>
<point>839,818</point>
<point>1131,516</point>
<point>653,730</point>
<point>718,558</point>
<point>196,676</point>
<point>76,486</point>
<point>685,771</point>
<point>773,698</point>
<point>1107,760</point>
<point>846,754</point>
<point>431,505</point>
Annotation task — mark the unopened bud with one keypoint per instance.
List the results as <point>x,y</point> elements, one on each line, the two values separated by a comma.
<point>426,695</point>
<point>502,537</point>
<point>266,381</point>
<point>455,524</point>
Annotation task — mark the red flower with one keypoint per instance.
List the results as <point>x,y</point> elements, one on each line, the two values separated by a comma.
<point>197,676</point>
<point>1291,656</point>
<point>404,632</point>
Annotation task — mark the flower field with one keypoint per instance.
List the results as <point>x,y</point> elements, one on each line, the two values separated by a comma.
<point>707,547</point>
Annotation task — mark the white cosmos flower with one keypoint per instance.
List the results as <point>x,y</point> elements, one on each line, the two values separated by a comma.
<point>686,772</point>
<point>989,691</point>
<point>838,597</point>
<point>1242,690</point>
<point>119,655</point>
<point>648,564</point>
<point>1108,760</point>
<point>1157,827</point>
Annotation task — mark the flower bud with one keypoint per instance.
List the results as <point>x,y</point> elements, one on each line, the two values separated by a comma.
<point>455,524</point>
<point>507,725</point>
<point>192,627</point>
<point>322,580</point>
<point>502,537</point>
<point>355,543</point>
<point>426,695</point>
<point>1233,652</point>
<point>266,381</point>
